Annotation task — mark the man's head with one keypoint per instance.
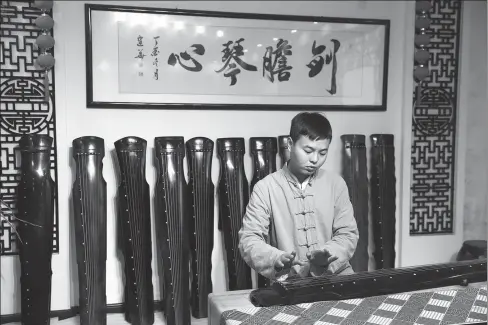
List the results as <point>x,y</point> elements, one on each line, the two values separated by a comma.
<point>310,137</point>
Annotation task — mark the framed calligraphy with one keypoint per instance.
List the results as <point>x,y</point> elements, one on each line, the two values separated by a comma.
<point>185,59</point>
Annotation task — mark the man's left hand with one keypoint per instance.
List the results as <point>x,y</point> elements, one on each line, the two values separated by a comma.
<point>321,257</point>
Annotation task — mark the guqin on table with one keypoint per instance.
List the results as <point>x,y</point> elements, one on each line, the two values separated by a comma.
<point>365,284</point>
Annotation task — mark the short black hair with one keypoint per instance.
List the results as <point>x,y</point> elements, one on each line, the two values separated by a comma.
<point>313,125</point>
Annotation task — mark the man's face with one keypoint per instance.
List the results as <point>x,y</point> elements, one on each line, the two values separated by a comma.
<point>306,155</point>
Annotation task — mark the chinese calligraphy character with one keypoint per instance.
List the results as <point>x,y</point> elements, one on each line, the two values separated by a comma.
<point>269,65</point>
<point>139,41</point>
<point>197,49</point>
<point>318,61</point>
<point>140,54</point>
<point>234,53</point>
<point>155,53</point>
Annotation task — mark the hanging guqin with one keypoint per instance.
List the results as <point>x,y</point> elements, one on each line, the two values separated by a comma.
<point>172,215</point>
<point>90,216</point>
<point>135,230</point>
<point>201,226</point>
<point>233,195</point>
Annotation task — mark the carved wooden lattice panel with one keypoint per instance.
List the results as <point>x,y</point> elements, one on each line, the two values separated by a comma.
<point>434,125</point>
<point>23,109</point>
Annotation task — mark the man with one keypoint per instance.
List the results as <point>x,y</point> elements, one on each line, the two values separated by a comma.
<point>302,211</point>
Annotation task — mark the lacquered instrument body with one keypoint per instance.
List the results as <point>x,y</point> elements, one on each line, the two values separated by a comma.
<point>135,230</point>
<point>172,200</point>
<point>35,204</point>
<point>284,149</point>
<point>366,284</point>
<point>233,192</point>
<point>201,226</point>
<point>355,173</point>
<point>383,199</point>
<point>263,153</point>
<point>89,195</point>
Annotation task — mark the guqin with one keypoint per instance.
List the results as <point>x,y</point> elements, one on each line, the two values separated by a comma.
<point>366,284</point>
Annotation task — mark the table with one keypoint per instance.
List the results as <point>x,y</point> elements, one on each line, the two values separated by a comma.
<point>223,304</point>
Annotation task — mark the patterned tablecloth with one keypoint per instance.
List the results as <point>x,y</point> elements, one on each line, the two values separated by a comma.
<point>467,305</point>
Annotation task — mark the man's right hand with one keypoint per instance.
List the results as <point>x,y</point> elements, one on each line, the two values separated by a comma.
<point>286,261</point>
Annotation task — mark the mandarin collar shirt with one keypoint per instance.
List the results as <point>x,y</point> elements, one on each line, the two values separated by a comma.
<point>283,216</point>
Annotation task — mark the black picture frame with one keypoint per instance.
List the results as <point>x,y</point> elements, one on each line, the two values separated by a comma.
<point>92,103</point>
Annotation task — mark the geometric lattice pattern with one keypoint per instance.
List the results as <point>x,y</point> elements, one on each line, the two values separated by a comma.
<point>23,109</point>
<point>434,125</point>
<point>433,307</point>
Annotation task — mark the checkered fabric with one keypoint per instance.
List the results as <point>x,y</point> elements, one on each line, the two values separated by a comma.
<point>467,305</point>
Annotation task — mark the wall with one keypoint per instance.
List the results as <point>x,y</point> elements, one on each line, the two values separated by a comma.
<point>442,248</point>
<point>74,120</point>
<point>476,180</point>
